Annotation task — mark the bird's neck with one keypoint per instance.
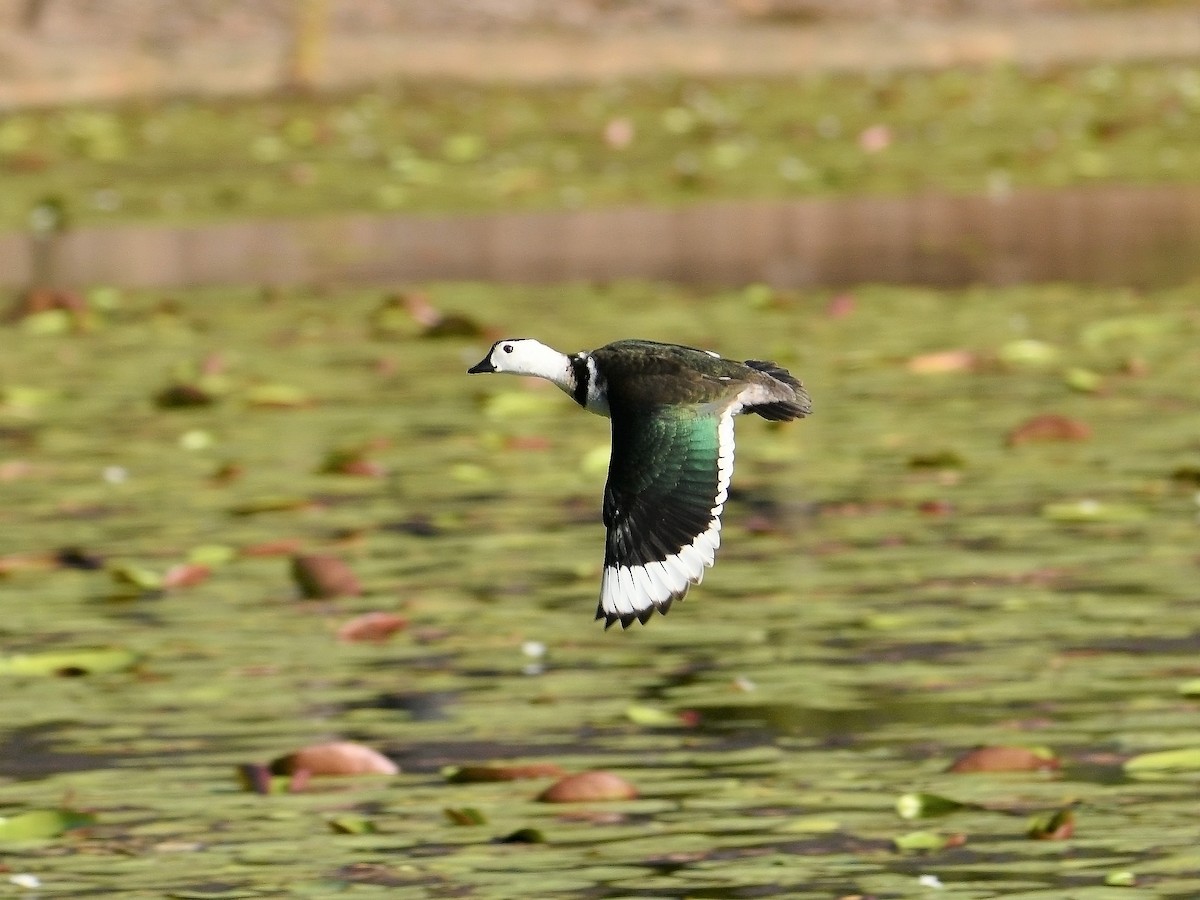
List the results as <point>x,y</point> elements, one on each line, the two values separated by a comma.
<point>587,386</point>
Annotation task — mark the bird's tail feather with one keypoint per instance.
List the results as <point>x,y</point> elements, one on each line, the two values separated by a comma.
<point>793,401</point>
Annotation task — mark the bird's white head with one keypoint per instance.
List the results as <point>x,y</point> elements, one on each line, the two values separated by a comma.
<point>523,356</point>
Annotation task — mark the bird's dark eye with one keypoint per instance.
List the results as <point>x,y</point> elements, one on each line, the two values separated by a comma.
<point>507,348</point>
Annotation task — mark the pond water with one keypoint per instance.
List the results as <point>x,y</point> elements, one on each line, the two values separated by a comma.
<point>906,575</point>
<point>1146,235</point>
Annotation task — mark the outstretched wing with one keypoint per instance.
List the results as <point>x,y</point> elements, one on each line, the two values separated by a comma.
<point>667,484</point>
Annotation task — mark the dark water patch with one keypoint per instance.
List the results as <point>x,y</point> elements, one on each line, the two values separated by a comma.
<point>31,753</point>
<point>431,757</point>
<point>1100,234</point>
<point>894,652</point>
<point>1142,645</point>
<point>430,706</point>
<point>833,727</point>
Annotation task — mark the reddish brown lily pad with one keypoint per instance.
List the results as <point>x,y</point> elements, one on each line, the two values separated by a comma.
<point>321,577</point>
<point>1048,427</point>
<point>185,575</point>
<point>1006,759</point>
<point>473,774</point>
<point>1052,826</point>
<point>334,758</point>
<point>372,626</point>
<point>586,787</point>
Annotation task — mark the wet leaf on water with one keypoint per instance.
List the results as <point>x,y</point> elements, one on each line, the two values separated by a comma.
<point>473,774</point>
<point>257,778</point>
<point>651,716</point>
<point>917,841</point>
<point>937,459</point>
<point>334,758</point>
<point>1188,476</point>
<point>277,396</point>
<point>134,576</point>
<point>924,806</point>
<point>352,461</point>
<point>183,396</point>
<point>196,439</point>
<point>470,473</point>
<point>812,825</point>
<point>276,547</point>
<point>50,321</point>
<point>1048,427</point>
<point>527,442</point>
<point>942,361</point>
<point>373,627</point>
<point>1056,825</point>
<point>523,836</point>
<point>15,563</point>
<point>1085,381</point>
<point>1029,353</point>
<point>1093,511</point>
<point>42,824</point>
<point>227,473</point>
<point>78,558</point>
<point>1185,759</point>
<point>184,575</point>
<point>212,555</point>
<point>595,461</point>
<point>352,824</point>
<point>759,296</point>
<point>840,306</point>
<point>619,132</point>
<point>69,662</point>
<point>1190,688</point>
<point>463,147</point>
<point>280,503</point>
<point>588,787</point>
<point>875,138</point>
<point>1006,759</point>
<point>23,399</point>
<point>465,815</point>
<point>1137,329</point>
<point>453,325</point>
<point>321,576</point>
<point>518,404</point>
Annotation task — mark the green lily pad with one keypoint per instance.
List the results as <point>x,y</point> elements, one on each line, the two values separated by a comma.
<point>278,396</point>
<point>1083,380</point>
<point>1029,353</point>
<point>921,840</point>
<point>924,806</point>
<point>1093,511</point>
<point>41,824</point>
<point>134,576</point>
<point>1185,759</point>
<point>651,716</point>
<point>69,662</point>
<point>352,824</point>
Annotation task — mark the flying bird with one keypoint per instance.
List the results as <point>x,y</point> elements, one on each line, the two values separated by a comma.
<point>672,410</point>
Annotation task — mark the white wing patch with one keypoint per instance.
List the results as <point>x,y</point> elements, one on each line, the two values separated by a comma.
<point>635,592</point>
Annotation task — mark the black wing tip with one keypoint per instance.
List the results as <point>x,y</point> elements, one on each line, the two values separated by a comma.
<point>642,617</point>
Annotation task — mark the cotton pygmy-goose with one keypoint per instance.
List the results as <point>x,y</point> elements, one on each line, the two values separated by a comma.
<point>672,410</point>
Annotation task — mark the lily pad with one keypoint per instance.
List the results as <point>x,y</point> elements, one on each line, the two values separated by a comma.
<point>924,806</point>
<point>41,824</point>
<point>1186,759</point>
<point>69,662</point>
<point>1093,511</point>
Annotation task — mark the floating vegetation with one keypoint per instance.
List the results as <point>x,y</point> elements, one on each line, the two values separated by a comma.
<point>952,650</point>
